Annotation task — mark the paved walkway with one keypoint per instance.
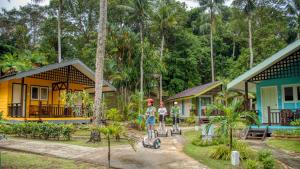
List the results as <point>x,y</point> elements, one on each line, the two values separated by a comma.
<point>291,160</point>
<point>170,154</point>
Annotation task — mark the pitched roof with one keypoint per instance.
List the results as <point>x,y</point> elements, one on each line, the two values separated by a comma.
<point>195,91</point>
<point>76,63</point>
<point>238,83</point>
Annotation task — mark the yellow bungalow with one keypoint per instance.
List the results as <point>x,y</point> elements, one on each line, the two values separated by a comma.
<point>34,95</point>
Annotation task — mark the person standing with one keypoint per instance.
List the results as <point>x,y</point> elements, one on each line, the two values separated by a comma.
<point>150,118</point>
<point>175,112</point>
<point>162,115</point>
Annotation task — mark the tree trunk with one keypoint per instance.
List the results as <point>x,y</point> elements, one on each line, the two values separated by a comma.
<point>233,50</point>
<point>100,62</point>
<point>160,77</point>
<point>59,31</point>
<point>211,47</point>
<point>141,68</point>
<point>108,144</point>
<point>250,41</point>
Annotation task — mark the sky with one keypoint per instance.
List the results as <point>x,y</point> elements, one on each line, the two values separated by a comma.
<point>17,3</point>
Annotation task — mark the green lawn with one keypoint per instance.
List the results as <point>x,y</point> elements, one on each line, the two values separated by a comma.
<point>201,154</point>
<point>20,160</point>
<point>289,145</point>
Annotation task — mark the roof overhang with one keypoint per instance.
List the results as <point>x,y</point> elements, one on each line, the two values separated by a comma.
<point>76,63</point>
<point>238,83</point>
<point>197,94</point>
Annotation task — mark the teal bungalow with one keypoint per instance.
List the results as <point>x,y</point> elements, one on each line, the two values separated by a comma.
<point>276,84</point>
<point>194,101</point>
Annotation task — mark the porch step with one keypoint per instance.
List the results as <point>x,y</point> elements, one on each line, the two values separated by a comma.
<point>257,133</point>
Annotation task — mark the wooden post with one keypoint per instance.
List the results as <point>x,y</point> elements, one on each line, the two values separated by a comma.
<point>22,98</point>
<point>269,116</point>
<point>246,96</point>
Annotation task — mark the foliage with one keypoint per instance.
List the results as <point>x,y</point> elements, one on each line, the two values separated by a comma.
<point>203,143</point>
<point>285,144</point>
<point>251,164</point>
<point>293,132</point>
<point>266,159</point>
<point>39,130</point>
<point>114,115</point>
<point>296,122</point>
<point>223,151</point>
<point>232,117</point>
<point>191,120</point>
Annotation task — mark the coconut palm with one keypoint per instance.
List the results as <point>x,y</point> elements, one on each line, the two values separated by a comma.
<point>233,115</point>
<point>248,6</point>
<point>163,20</point>
<point>214,7</point>
<point>100,61</point>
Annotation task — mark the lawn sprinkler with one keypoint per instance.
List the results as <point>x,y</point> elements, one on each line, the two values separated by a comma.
<point>151,141</point>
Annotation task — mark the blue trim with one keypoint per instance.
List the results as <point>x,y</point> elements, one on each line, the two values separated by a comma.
<point>182,108</point>
<point>271,128</point>
<point>278,83</point>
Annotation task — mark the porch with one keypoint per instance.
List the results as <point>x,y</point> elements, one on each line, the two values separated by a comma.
<point>282,117</point>
<point>46,111</point>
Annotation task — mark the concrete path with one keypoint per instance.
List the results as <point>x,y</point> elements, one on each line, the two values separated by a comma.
<point>170,154</point>
<point>291,160</point>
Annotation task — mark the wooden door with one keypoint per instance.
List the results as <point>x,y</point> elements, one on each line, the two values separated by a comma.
<point>269,98</point>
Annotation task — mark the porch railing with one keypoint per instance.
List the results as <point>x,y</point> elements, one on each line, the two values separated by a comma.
<point>15,110</point>
<point>48,111</point>
<point>282,116</point>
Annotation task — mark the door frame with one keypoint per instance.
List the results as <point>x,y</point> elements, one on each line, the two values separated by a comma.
<point>261,96</point>
<point>25,95</point>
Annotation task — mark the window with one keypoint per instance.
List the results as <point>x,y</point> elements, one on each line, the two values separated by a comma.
<point>44,93</point>
<point>298,92</point>
<point>34,93</point>
<point>39,93</point>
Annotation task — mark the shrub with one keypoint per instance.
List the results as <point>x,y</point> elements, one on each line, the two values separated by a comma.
<point>223,152</point>
<point>203,143</point>
<point>41,130</point>
<point>169,121</point>
<point>296,122</point>
<point>253,164</point>
<point>266,159</point>
<point>294,132</point>
<point>190,120</point>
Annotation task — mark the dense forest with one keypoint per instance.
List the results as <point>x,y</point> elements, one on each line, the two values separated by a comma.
<point>181,44</point>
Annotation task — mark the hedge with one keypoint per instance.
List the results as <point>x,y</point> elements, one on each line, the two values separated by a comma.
<point>39,130</point>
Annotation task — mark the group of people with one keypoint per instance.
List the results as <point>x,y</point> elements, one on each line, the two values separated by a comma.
<point>162,111</point>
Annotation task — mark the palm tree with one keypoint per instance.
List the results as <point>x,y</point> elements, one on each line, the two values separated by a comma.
<point>100,61</point>
<point>214,7</point>
<point>163,20</point>
<point>293,9</point>
<point>248,6</point>
<point>138,10</point>
<point>233,115</point>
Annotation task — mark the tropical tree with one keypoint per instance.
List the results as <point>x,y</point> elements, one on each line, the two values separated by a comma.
<point>100,62</point>
<point>248,6</point>
<point>233,114</point>
<point>214,7</point>
<point>293,9</point>
<point>138,11</point>
<point>163,20</point>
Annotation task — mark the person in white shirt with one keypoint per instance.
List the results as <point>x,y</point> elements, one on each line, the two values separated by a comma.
<point>162,115</point>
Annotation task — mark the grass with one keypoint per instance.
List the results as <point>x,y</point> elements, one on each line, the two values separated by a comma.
<point>10,159</point>
<point>289,145</point>
<point>201,154</point>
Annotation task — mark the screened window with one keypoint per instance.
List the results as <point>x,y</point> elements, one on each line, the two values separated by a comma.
<point>34,93</point>
<point>44,93</point>
<point>288,94</point>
